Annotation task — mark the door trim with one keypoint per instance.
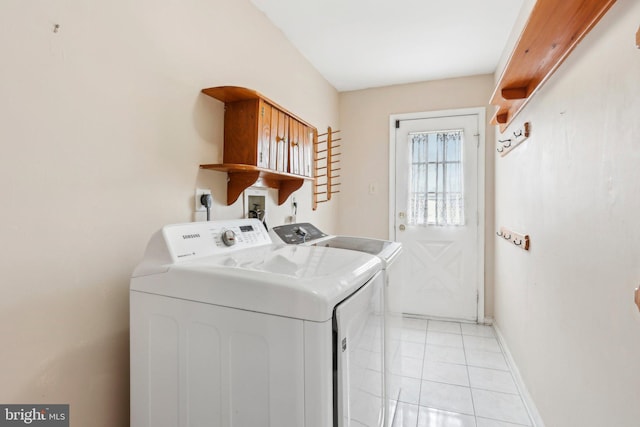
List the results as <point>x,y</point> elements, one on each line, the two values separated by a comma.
<point>481,113</point>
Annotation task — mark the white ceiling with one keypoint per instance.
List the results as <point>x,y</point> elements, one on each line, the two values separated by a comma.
<point>358,44</point>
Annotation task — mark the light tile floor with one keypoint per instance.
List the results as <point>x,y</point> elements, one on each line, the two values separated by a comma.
<point>450,374</point>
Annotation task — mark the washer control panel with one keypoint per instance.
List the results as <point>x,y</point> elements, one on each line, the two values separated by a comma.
<point>199,239</point>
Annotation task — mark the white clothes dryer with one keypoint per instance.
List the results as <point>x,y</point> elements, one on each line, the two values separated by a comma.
<point>230,329</point>
<point>389,252</point>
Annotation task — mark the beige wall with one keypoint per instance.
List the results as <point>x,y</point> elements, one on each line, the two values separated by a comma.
<point>565,307</point>
<point>102,129</point>
<point>365,147</point>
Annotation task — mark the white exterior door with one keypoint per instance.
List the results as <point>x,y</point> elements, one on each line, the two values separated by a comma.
<point>437,215</point>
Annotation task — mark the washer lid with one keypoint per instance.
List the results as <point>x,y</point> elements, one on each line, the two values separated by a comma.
<point>295,281</point>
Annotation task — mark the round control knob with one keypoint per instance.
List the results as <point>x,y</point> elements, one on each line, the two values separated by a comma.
<point>229,237</point>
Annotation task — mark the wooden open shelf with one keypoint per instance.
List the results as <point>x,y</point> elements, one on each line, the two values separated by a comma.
<point>554,29</point>
<point>241,177</point>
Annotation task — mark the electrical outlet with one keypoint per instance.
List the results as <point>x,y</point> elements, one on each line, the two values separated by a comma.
<point>199,207</point>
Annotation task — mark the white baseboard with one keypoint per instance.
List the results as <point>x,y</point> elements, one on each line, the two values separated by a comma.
<point>526,397</point>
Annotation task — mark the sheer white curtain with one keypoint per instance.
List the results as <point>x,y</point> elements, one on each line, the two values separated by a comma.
<point>436,193</point>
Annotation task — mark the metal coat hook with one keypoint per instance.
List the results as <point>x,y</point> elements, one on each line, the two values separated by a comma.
<point>507,237</point>
<point>56,28</point>
<point>499,233</point>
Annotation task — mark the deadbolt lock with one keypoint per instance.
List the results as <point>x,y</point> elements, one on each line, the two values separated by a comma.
<point>402,227</point>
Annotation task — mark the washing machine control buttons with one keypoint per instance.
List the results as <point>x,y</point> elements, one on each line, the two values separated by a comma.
<point>229,237</point>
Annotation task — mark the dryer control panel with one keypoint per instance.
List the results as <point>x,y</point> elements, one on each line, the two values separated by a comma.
<point>296,234</point>
<point>198,239</point>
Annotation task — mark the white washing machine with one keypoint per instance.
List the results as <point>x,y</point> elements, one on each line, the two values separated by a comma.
<point>230,329</point>
<point>389,252</point>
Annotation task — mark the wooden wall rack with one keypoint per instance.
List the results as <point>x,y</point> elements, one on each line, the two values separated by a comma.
<point>553,30</point>
<point>518,239</point>
<point>264,144</point>
<point>326,161</point>
<point>521,135</point>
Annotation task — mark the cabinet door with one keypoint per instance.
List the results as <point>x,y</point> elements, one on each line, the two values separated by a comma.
<point>296,132</point>
<point>278,153</point>
<point>264,133</point>
<point>242,132</point>
<point>301,148</point>
<point>307,155</point>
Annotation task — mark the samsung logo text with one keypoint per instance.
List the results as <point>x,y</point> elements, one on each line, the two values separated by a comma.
<point>190,236</point>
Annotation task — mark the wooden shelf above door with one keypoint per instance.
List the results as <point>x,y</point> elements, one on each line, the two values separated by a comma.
<point>554,29</point>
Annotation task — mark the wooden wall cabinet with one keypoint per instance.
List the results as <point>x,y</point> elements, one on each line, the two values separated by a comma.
<point>262,141</point>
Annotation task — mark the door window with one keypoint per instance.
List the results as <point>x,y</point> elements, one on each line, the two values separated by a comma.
<point>436,190</point>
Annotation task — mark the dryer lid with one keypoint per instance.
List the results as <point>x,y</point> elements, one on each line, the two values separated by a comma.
<point>385,249</point>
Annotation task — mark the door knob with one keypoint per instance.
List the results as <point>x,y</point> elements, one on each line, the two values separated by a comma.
<point>401,227</point>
